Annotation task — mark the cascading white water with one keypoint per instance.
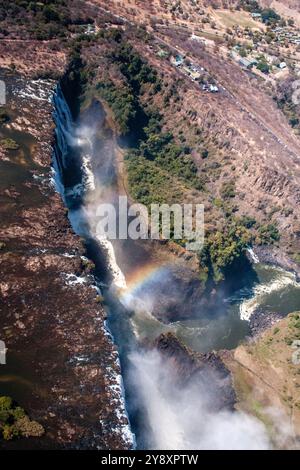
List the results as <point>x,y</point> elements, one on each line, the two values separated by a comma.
<point>253,255</point>
<point>64,125</point>
<point>180,417</point>
<point>67,136</point>
<point>280,281</point>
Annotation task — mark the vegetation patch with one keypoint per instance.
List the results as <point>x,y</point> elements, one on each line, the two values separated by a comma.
<point>9,144</point>
<point>268,234</point>
<point>14,422</point>
<point>223,249</point>
<point>122,103</point>
<point>160,148</point>
<point>150,184</point>
<point>40,20</point>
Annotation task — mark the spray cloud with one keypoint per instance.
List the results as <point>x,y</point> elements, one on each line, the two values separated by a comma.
<point>181,417</point>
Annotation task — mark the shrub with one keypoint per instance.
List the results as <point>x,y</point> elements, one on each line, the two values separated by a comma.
<point>14,422</point>
<point>9,432</point>
<point>247,221</point>
<point>268,234</point>
<point>5,403</point>
<point>9,144</point>
<point>228,190</point>
<point>29,428</point>
<point>50,13</point>
<point>263,67</point>
<point>18,413</point>
<point>269,16</point>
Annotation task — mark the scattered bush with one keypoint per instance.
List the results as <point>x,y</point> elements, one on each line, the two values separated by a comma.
<point>247,221</point>
<point>222,249</point>
<point>15,423</point>
<point>9,144</point>
<point>228,190</point>
<point>268,234</point>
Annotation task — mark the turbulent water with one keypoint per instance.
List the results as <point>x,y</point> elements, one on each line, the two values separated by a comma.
<point>277,291</point>
<point>75,141</point>
<point>163,416</point>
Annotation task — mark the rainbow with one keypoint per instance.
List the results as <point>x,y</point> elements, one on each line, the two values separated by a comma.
<point>139,279</point>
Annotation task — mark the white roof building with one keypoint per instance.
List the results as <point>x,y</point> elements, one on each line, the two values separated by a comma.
<point>282,65</point>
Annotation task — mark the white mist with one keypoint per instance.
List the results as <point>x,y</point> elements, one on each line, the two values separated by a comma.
<point>179,417</point>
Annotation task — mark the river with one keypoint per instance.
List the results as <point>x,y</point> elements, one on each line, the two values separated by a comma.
<point>138,283</point>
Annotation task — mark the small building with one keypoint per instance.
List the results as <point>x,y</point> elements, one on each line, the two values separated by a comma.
<point>247,63</point>
<point>195,75</point>
<point>282,65</point>
<point>256,15</point>
<point>234,54</point>
<point>90,29</point>
<point>213,88</point>
<point>177,61</point>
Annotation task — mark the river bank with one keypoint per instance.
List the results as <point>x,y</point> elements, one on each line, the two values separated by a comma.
<point>275,256</point>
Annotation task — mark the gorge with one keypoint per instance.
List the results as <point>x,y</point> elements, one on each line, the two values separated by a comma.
<point>87,175</point>
<point>125,343</point>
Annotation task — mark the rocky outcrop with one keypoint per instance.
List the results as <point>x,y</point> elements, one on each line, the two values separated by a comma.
<point>206,370</point>
<point>273,255</point>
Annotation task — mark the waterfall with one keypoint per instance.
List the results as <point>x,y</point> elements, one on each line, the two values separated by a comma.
<point>119,281</point>
<point>64,127</point>
<point>253,255</point>
<point>70,139</point>
<point>68,136</point>
<point>154,392</point>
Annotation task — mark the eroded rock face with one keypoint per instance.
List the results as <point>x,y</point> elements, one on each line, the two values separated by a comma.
<point>62,366</point>
<point>206,370</point>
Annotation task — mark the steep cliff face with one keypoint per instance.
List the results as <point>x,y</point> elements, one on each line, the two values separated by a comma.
<point>238,137</point>
<point>62,365</point>
<point>207,370</point>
